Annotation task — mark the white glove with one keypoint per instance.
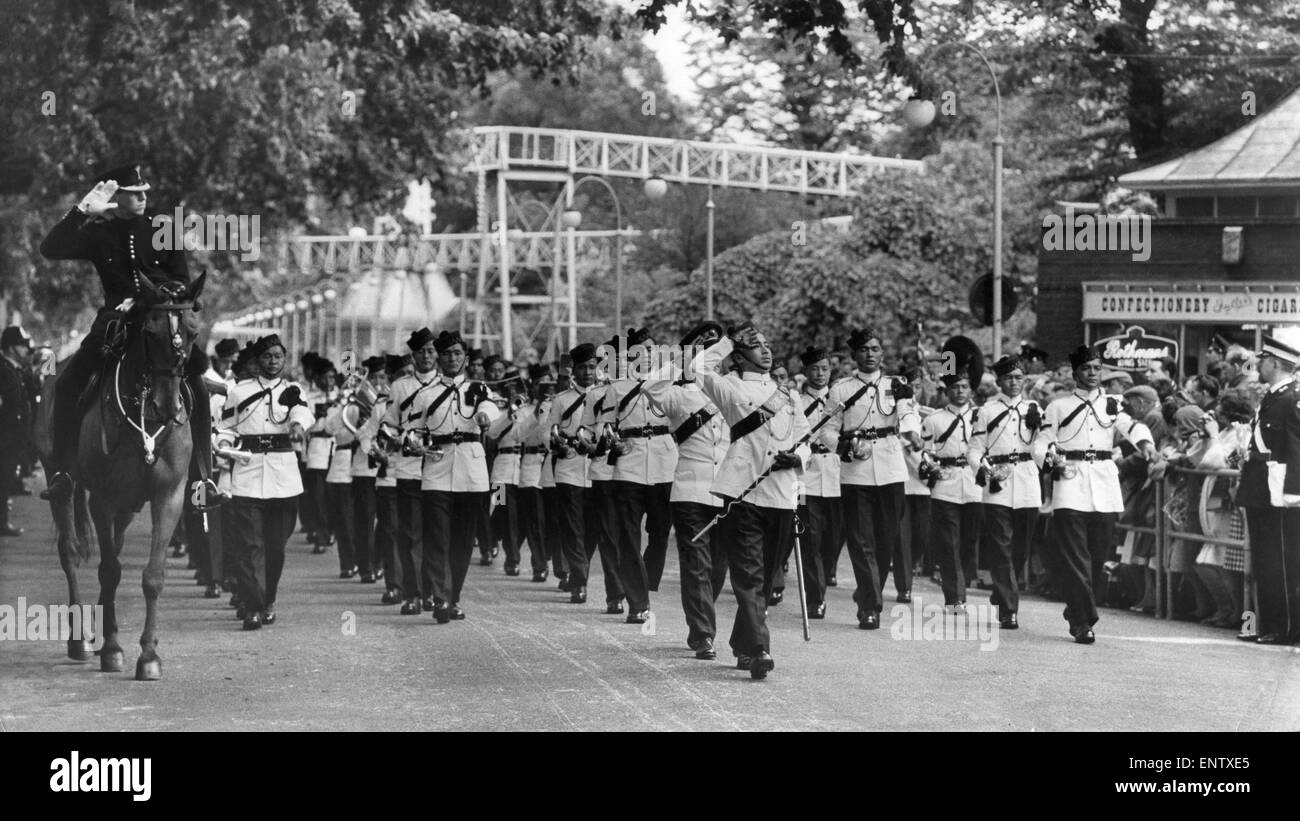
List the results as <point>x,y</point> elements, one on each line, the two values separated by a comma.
<point>98,200</point>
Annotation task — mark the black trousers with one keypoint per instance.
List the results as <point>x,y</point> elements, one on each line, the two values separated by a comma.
<point>633,502</point>
<point>205,546</point>
<point>314,487</point>
<point>10,454</point>
<point>260,528</point>
<point>954,539</point>
<point>417,574</point>
<point>386,536</point>
<point>748,534</point>
<point>551,522</point>
<point>916,527</point>
<point>1080,544</point>
<point>570,530</point>
<point>342,521</point>
<point>364,514</point>
<point>703,568</point>
<point>482,524</point>
<point>307,510</point>
<point>1275,561</point>
<point>506,524</point>
<point>871,517</point>
<point>818,544</point>
<point>1006,534</point>
<point>598,511</point>
<point>832,538</point>
<point>532,514</point>
<point>450,519</point>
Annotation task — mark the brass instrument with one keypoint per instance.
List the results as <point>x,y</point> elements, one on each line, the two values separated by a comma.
<point>358,404</point>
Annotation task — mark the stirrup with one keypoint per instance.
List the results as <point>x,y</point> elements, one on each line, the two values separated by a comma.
<point>213,497</point>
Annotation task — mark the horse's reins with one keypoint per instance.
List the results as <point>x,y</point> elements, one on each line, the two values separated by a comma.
<point>149,441</point>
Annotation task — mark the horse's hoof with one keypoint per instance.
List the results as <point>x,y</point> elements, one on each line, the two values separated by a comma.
<point>150,670</point>
<point>79,649</point>
<point>112,661</point>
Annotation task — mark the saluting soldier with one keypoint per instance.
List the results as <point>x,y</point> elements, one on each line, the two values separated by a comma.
<point>703,438</point>
<point>1006,450</point>
<point>878,415</point>
<point>261,417</point>
<point>110,229</point>
<point>1270,493</point>
<point>954,495</point>
<point>1080,434</point>
<point>399,432</point>
<point>757,479</point>
<point>644,459</point>
<point>451,416</point>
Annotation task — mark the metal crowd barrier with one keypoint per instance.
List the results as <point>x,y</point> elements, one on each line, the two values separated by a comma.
<point>1163,533</point>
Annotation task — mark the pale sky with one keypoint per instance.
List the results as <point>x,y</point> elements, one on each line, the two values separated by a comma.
<point>673,54</point>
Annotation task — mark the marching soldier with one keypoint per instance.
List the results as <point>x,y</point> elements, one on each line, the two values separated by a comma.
<point>954,495</point>
<point>1006,450</point>
<point>398,431</point>
<point>644,458</point>
<point>261,417</point>
<point>601,515</point>
<point>109,228</point>
<point>1080,433</point>
<point>364,471</point>
<point>1270,493</point>
<point>338,490</point>
<point>702,439</point>
<point>916,504</point>
<point>536,449</point>
<point>15,404</point>
<point>319,452</point>
<point>508,433</point>
<point>451,415</point>
<point>379,460</point>
<point>877,415</point>
<point>756,481</point>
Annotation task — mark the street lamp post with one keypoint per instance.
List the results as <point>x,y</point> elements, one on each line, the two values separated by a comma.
<point>708,256</point>
<point>919,113</point>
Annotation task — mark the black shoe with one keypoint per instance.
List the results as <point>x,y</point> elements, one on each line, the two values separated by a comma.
<point>428,604</point>
<point>1009,622</point>
<point>785,567</point>
<point>368,578</point>
<point>441,614</point>
<point>614,608</point>
<point>178,551</point>
<point>539,575</point>
<point>484,560</point>
<point>704,650</point>
<point>578,595</point>
<point>512,569</point>
<point>212,592</point>
<point>832,582</point>
<point>761,665</point>
<point>868,621</point>
<point>390,597</point>
<point>60,487</point>
<point>268,615</point>
<point>776,597</point>
<point>637,617</point>
<point>456,613</point>
<point>347,574</point>
<point>253,622</point>
<point>411,607</point>
<point>904,598</point>
<point>10,530</point>
<point>1084,636</point>
<point>743,662</point>
<point>564,581</point>
<point>317,550</point>
<point>817,612</point>
<point>496,549</point>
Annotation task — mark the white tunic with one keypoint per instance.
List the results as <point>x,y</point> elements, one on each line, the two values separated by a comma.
<point>266,475</point>
<point>649,460</point>
<point>571,470</point>
<point>340,467</point>
<point>530,465</point>
<point>463,466</point>
<point>366,439</point>
<point>399,417</point>
<point>823,475</point>
<point>320,445</point>
<point>598,467</point>
<point>954,426</point>
<point>876,408</point>
<point>1023,487</point>
<point>508,431</point>
<point>1095,488</point>
<point>700,456</point>
<point>737,397</point>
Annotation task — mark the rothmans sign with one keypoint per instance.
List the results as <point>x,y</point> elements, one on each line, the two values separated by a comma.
<point>1134,350</point>
<point>1267,303</point>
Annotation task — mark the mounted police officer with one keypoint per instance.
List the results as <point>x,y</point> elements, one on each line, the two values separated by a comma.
<point>109,228</point>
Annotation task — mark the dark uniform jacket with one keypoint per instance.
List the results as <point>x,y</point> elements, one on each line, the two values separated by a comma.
<point>17,405</point>
<point>1278,424</point>
<point>121,250</point>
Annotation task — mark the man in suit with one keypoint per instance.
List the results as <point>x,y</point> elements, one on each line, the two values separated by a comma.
<point>1275,529</point>
<point>15,403</point>
<point>109,228</point>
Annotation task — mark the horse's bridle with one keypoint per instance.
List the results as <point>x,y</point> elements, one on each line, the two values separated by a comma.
<point>174,369</point>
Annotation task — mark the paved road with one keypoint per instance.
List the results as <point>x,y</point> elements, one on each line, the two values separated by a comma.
<point>525,659</point>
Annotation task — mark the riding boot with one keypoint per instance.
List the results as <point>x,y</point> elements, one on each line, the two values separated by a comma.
<point>65,424</point>
<point>201,435</point>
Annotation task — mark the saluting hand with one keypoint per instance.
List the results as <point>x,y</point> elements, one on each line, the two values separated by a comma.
<point>99,199</point>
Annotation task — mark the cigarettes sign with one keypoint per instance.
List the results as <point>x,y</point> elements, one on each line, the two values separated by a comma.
<point>1135,350</point>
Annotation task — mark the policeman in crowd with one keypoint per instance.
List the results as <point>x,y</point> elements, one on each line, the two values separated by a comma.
<point>15,405</point>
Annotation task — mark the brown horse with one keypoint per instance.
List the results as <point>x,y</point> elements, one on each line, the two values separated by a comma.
<point>135,447</point>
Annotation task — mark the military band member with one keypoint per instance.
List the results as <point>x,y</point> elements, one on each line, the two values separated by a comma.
<point>550,499</point>
<point>601,519</point>
<point>819,511</point>
<point>536,450</point>
<point>379,456</point>
<point>364,471</point>
<point>507,435</point>
<point>644,459</point>
<point>338,490</point>
<point>398,432</point>
<point>878,416</point>
<point>319,395</point>
<point>954,495</point>
<point>702,439</point>
<point>1270,494</point>
<point>1080,434</point>
<point>450,417</point>
<point>766,430</point>
<point>260,417</point>
<point>1007,452</point>
<point>915,530</point>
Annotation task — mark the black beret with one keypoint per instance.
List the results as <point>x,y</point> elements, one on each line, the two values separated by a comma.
<point>860,338</point>
<point>635,336</point>
<point>227,347</point>
<point>950,379</point>
<point>694,334</point>
<point>419,339</point>
<point>812,354</point>
<point>537,373</point>
<point>393,363</point>
<point>266,343</point>
<point>1082,355</point>
<point>583,353</point>
<point>492,360</point>
<point>1031,353</point>
<point>245,355</point>
<point>1007,364</point>
<point>447,339</point>
<point>474,353</point>
<point>323,365</point>
<point>372,363</point>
